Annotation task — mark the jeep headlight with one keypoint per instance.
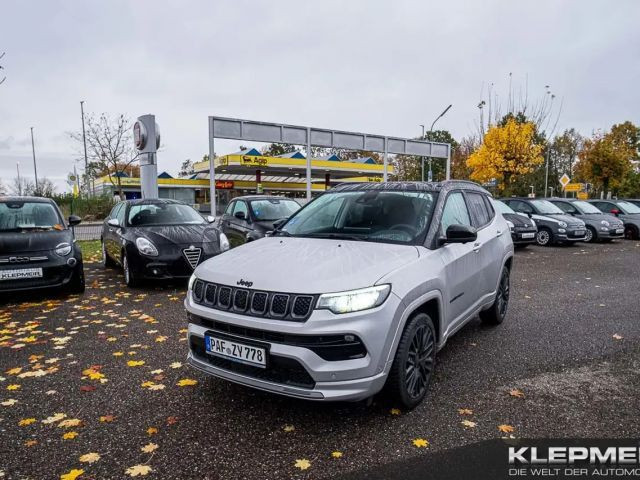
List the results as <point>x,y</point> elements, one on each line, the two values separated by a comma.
<point>354,300</point>
<point>605,223</point>
<point>63,249</point>
<point>192,280</point>
<point>224,242</point>
<point>145,247</point>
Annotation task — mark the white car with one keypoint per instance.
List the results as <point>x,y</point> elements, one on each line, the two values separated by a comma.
<point>357,290</point>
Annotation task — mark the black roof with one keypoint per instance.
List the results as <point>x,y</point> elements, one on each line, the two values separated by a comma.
<point>26,199</point>
<point>410,186</point>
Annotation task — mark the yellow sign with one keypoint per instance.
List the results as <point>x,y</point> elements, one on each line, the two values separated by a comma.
<point>573,187</point>
<point>583,195</point>
<point>564,180</point>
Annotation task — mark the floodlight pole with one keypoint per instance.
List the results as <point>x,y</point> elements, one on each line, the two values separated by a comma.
<point>308,164</point>
<point>212,171</point>
<point>35,167</point>
<point>385,160</point>
<point>84,141</point>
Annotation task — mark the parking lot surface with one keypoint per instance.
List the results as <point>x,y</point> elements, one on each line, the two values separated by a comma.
<point>99,383</point>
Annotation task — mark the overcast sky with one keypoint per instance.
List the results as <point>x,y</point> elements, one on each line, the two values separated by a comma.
<point>370,66</point>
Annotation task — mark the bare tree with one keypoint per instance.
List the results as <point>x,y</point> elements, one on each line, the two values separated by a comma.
<point>3,189</point>
<point>109,148</point>
<point>23,186</point>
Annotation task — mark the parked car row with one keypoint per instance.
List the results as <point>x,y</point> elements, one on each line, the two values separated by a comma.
<point>354,292</point>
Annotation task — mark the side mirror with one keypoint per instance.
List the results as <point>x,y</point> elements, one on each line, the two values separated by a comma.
<point>278,223</point>
<point>461,234</point>
<point>211,218</point>
<point>74,220</point>
<point>113,222</point>
<point>240,215</point>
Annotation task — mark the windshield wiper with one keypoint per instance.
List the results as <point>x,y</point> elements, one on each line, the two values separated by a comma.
<point>284,233</point>
<point>337,236</point>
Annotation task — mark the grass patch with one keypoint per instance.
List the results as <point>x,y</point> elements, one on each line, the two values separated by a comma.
<point>91,250</point>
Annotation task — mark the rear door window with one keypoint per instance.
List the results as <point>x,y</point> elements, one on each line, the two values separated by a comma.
<point>478,208</point>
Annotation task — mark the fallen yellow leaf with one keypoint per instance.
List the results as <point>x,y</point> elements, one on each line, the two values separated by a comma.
<point>516,393</point>
<point>72,474</point>
<point>302,464</point>
<point>135,363</point>
<point>118,354</point>
<point>465,411</point>
<point>506,428</point>
<point>288,428</point>
<point>14,371</point>
<point>13,387</point>
<point>152,430</point>
<point>89,457</point>
<point>176,365</point>
<point>148,448</point>
<point>187,382</point>
<point>71,422</point>
<point>138,470</point>
<point>420,443</point>
<point>26,421</point>
<point>395,411</point>
<point>468,423</point>
<point>70,435</point>
<point>336,454</point>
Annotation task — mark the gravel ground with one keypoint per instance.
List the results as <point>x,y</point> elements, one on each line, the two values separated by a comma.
<point>109,367</point>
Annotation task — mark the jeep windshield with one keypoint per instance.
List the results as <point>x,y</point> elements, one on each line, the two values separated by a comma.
<point>17,216</point>
<point>369,215</point>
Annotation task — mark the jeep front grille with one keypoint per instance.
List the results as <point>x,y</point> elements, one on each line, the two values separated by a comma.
<point>193,256</point>
<point>275,305</point>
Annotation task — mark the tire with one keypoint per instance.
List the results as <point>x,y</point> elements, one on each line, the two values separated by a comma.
<point>497,312</point>
<point>631,232</point>
<point>77,284</point>
<point>418,340</point>
<point>544,237</point>
<point>130,277</point>
<point>107,262</point>
<point>591,236</point>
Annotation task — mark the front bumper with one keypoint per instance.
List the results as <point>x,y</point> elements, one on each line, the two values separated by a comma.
<point>299,371</point>
<point>56,272</point>
<point>171,263</point>
<point>571,235</point>
<point>523,237</point>
<point>612,232</point>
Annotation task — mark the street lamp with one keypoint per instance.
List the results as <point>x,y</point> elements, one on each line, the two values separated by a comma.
<point>84,141</point>
<point>35,168</point>
<point>532,192</point>
<point>430,177</point>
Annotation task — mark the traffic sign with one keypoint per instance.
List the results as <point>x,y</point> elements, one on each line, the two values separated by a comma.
<point>564,180</point>
<point>573,187</point>
<point>583,195</point>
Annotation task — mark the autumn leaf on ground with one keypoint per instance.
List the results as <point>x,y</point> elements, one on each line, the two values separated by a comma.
<point>148,448</point>
<point>30,443</point>
<point>288,428</point>
<point>152,431</point>
<point>107,418</point>
<point>187,382</point>
<point>135,363</point>
<point>506,428</point>
<point>171,420</point>
<point>468,423</point>
<point>516,393</point>
<point>617,337</point>
<point>13,387</point>
<point>26,421</point>
<point>395,411</point>
<point>71,422</point>
<point>72,474</point>
<point>89,457</point>
<point>176,365</point>
<point>87,388</point>
<point>14,371</point>
<point>157,386</point>
<point>302,464</point>
<point>420,443</point>
<point>136,470</point>
<point>336,454</point>
<point>56,417</point>
<point>465,411</point>
<point>117,354</point>
<point>70,435</point>
<point>9,403</point>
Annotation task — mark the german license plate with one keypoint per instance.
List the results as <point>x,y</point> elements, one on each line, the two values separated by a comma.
<point>19,273</point>
<point>528,235</point>
<point>578,233</point>
<point>619,230</point>
<point>223,347</point>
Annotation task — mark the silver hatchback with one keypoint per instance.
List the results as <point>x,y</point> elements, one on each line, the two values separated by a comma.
<point>355,292</point>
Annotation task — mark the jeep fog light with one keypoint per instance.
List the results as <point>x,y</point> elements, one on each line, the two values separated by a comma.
<point>354,300</point>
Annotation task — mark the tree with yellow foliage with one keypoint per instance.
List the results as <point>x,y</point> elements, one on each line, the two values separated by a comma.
<point>507,151</point>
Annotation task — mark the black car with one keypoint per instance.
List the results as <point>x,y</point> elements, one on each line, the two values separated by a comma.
<point>523,229</point>
<point>554,226</point>
<point>625,211</point>
<point>37,247</point>
<point>250,217</point>
<point>158,239</point>
<point>600,226</point>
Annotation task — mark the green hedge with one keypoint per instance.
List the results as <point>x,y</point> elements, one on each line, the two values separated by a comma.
<point>87,208</point>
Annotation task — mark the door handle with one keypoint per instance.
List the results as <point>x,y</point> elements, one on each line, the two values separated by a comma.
<point>498,233</point>
<point>476,247</point>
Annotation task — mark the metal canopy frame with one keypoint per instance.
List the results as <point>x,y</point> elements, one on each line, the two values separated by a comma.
<point>254,131</point>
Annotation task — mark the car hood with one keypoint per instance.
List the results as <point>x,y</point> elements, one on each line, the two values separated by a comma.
<point>568,219</point>
<point>178,234</point>
<point>22,242</point>
<point>306,265</point>
<point>598,217</point>
<point>518,220</point>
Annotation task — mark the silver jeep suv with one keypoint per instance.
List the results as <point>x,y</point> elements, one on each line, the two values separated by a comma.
<point>355,292</point>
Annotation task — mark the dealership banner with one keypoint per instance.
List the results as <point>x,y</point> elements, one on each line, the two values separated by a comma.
<point>518,459</point>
